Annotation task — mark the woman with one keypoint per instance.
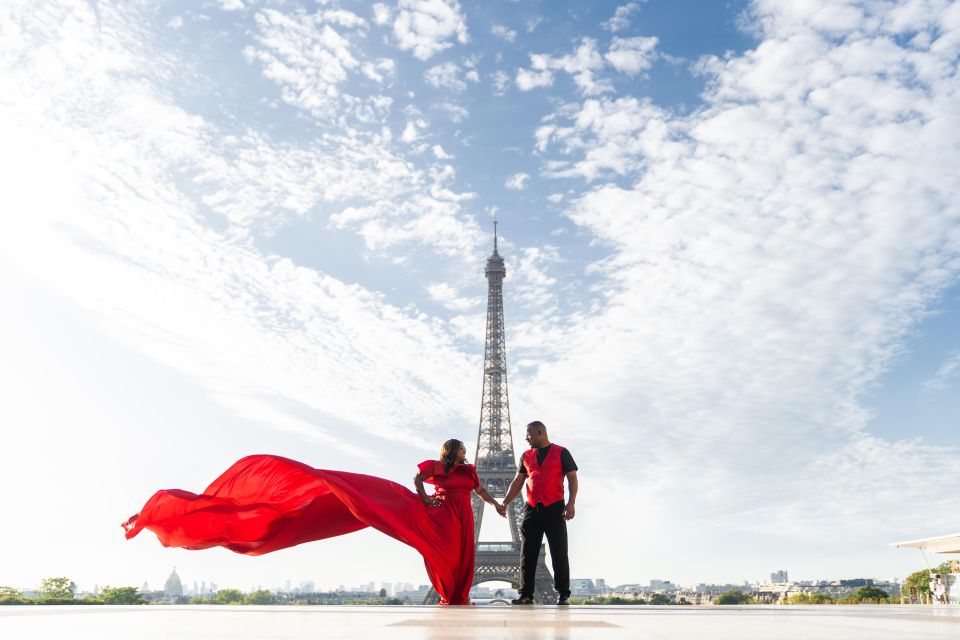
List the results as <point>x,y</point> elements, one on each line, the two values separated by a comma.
<point>264,503</point>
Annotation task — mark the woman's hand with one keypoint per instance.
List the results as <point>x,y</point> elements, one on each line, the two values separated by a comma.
<point>430,501</point>
<point>501,508</point>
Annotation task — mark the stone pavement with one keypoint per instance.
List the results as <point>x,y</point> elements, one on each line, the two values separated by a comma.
<point>482,622</point>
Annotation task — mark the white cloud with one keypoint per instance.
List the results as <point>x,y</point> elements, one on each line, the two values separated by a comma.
<point>517,182</point>
<point>382,14</point>
<point>410,133</point>
<point>632,55</point>
<point>503,32</point>
<point>231,5</point>
<point>499,82</point>
<point>310,60</point>
<point>533,23</point>
<point>344,18</point>
<point>426,27</point>
<point>379,70</point>
<point>538,76</point>
<point>555,197</point>
<point>581,64</point>
<point>770,254</point>
<point>450,298</point>
<point>175,22</point>
<point>944,374</point>
<point>621,17</point>
<point>439,153</point>
<point>445,76</point>
<point>456,112</point>
<point>125,239</point>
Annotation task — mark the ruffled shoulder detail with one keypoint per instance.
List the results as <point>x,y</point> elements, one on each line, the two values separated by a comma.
<point>431,468</point>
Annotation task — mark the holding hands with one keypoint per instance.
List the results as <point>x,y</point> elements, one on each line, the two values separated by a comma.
<point>501,509</point>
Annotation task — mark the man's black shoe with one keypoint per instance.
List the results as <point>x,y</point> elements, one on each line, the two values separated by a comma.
<point>522,600</point>
<point>563,600</point>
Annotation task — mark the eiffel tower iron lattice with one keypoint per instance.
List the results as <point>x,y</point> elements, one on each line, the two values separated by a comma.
<point>495,460</point>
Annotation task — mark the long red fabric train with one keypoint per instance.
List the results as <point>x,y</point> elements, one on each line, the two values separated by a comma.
<point>264,503</point>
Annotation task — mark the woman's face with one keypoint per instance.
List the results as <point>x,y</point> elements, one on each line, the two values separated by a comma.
<point>461,453</point>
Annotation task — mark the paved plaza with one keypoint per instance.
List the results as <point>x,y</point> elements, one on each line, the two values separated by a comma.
<point>429,623</point>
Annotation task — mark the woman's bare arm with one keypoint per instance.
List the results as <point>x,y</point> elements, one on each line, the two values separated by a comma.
<point>485,495</point>
<point>418,481</point>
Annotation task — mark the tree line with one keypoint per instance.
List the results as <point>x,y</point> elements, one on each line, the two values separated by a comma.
<point>62,590</point>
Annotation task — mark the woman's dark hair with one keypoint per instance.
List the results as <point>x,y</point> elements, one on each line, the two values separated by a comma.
<point>448,453</point>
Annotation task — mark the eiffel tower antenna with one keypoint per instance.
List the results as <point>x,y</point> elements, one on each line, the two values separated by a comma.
<point>495,459</point>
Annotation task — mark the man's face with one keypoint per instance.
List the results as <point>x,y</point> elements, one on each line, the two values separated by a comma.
<point>534,437</point>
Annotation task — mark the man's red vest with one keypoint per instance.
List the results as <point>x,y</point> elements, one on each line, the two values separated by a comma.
<point>544,481</point>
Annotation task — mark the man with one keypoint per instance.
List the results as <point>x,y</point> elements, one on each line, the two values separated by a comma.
<point>543,468</point>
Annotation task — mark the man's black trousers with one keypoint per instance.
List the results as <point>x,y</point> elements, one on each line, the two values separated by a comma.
<point>537,522</point>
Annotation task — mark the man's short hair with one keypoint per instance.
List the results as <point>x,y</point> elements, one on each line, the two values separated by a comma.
<point>536,424</point>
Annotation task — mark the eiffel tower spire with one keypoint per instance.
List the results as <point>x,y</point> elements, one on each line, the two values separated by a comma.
<point>494,439</point>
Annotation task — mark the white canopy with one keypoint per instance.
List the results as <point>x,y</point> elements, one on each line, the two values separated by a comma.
<point>940,544</point>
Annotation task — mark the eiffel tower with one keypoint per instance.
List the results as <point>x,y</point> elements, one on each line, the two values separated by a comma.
<point>495,460</point>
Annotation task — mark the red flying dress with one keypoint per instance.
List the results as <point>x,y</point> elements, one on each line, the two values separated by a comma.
<point>264,503</point>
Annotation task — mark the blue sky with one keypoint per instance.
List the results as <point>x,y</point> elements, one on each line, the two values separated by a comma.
<point>732,249</point>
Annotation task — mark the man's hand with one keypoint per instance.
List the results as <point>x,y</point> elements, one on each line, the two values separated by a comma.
<point>501,509</point>
<point>569,511</point>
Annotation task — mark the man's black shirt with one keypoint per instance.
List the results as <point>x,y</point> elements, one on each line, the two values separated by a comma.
<point>566,460</point>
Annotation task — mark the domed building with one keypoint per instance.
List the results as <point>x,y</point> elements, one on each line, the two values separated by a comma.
<point>173,588</point>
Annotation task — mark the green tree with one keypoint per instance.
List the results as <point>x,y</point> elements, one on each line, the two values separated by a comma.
<point>383,593</point>
<point>263,596</point>
<point>57,589</point>
<point>660,599</point>
<point>228,596</point>
<point>734,596</point>
<point>121,595</point>
<point>920,580</point>
<point>810,598</point>
<point>9,595</point>
<point>871,594</point>
<point>10,592</point>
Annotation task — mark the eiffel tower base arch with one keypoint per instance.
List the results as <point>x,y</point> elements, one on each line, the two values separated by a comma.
<point>500,562</point>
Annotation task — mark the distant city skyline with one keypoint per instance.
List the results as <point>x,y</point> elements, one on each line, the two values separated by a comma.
<point>192,587</point>
<point>731,235</point>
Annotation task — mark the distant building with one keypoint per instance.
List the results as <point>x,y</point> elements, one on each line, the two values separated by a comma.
<point>663,585</point>
<point>779,576</point>
<point>857,582</point>
<point>414,596</point>
<point>582,587</point>
<point>173,588</point>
